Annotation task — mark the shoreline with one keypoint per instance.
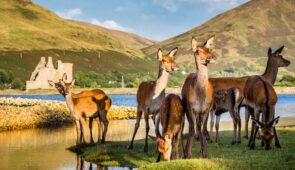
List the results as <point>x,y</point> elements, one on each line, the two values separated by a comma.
<point>114,91</point>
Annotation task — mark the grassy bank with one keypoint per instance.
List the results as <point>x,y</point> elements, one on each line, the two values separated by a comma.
<point>30,113</point>
<point>221,156</point>
<point>279,90</point>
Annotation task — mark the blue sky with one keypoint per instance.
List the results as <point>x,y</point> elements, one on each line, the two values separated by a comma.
<point>153,19</point>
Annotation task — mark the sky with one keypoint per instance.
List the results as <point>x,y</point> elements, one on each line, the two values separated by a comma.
<point>154,19</point>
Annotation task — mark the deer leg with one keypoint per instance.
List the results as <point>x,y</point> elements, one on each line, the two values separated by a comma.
<point>99,129</point>
<point>212,116</point>
<point>207,135</point>
<point>137,124</point>
<point>105,125</point>
<point>90,128</point>
<point>277,142</point>
<point>247,116</point>
<point>192,124</point>
<point>176,144</point>
<point>159,157</point>
<point>217,128</point>
<point>147,129</point>
<point>257,115</point>
<point>201,124</point>
<point>157,124</point>
<point>83,124</point>
<point>239,128</point>
<point>78,130</point>
<point>233,116</point>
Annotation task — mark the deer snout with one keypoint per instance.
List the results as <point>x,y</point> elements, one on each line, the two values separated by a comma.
<point>287,63</point>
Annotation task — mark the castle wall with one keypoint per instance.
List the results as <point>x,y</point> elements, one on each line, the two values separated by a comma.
<point>43,73</point>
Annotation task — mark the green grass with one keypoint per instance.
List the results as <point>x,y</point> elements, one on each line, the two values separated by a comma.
<point>221,156</point>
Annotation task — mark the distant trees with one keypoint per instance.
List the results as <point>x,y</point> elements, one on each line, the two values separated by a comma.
<point>7,81</point>
<point>287,81</point>
<point>25,2</point>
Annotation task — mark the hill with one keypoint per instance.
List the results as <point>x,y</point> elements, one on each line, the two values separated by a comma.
<point>31,31</point>
<point>243,36</point>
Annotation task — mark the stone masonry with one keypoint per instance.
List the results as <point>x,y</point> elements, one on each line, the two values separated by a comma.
<point>46,71</point>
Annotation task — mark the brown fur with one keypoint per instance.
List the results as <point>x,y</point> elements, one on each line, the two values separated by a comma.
<point>150,95</point>
<point>198,97</point>
<point>261,97</point>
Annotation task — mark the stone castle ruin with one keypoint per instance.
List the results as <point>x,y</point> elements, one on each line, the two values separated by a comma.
<point>46,71</point>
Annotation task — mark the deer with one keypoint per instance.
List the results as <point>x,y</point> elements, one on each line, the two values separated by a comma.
<point>172,118</point>
<point>150,95</point>
<point>261,98</point>
<point>198,96</point>
<point>274,62</point>
<point>86,104</point>
<point>228,101</point>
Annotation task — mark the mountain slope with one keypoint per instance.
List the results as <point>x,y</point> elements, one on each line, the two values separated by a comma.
<point>31,31</point>
<point>243,36</point>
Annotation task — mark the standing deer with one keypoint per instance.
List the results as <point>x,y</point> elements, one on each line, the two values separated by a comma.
<point>87,104</point>
<point>198,96</point>
<point>172,120</point>
<point>275,60</point>
<point>228,101</point>
<point>261,97</point>
<point>150,95</point>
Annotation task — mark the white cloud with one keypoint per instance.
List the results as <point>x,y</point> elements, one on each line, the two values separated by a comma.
<point>70,13</point>
<point>111,24</point>
<point>170,5</point>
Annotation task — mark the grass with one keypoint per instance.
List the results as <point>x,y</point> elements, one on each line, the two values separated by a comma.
<point>221,156</point>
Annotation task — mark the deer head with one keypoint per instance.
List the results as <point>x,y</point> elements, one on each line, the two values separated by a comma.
<point>277,58</point>
<point>204,52</point>
<point>167,62</point>
<point>266,131</point>
<point>63,87</point>
<point>164,146</point>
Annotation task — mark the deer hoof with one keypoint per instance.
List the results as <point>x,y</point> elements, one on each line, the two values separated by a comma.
<point>239,142</point>
<point>278,146</point>
<point>233,142</point>
<point>252,147</point>
<point>130,147</point>
<point>145,149</point>
<point>246,137</point>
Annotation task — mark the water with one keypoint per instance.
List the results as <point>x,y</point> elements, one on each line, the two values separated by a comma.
<point>46,148</point>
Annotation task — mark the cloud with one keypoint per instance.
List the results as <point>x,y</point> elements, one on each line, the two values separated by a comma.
<point>70,13</point>
<point>111,24</point>
<point>170,5</point>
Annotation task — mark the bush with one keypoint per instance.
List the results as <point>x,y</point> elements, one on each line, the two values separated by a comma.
<point>17,84</point>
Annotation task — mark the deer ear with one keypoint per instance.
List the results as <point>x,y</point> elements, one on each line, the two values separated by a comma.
<point>160,54</point>
<point>257,123</point>
<point>269,51</point>
<point>73,82</point>
<point>153,138</point>
<point>64,77</point>
<point>279,50</point>
<point>173,52</point>
<point>209,43</point>
<point>274,122</point>
<point>51,83</point>
<point>194,44</point>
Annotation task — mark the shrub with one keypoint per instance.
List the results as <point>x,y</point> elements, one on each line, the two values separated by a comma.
<point>17,84</point>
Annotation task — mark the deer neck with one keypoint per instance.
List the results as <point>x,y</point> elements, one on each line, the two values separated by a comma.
<point>271,71</point>
<point>202,74</point>
<point>69,101</point>
<point>161,82</point>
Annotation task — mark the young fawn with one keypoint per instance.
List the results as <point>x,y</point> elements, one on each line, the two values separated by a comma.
<point>198,96</point>
<point>172,121</point>
<point>150,95</point>
<point>87,104</point>
<point>228,101</point>
<point>261,98</point>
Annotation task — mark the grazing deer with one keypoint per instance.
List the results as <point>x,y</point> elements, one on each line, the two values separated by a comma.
<point>275,60</point>
<point>150,95</point>
<point>261,97</point>
<point>198,96</point>
<point>87,104</point>
<point>172,120</point>
<point>228,101</point>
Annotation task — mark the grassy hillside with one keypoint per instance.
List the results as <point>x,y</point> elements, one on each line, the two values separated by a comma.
<point>31,31</point>
<point>243,36</point>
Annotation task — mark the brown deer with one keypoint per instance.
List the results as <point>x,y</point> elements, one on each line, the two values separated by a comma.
<point>198,96</point>
<point>150,95</point>
<point>228,101</point>
<point>275,60</point>
<point>87,104</point>
<point>261,97</point>
<point>172,120</point>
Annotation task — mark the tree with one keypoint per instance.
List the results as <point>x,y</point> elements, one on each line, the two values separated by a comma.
<point>17,84</point>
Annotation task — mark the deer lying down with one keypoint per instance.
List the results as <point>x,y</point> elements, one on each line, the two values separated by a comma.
<point>228,101</point>
<point>87,104</point>
<point>261,98</point>
<point>172,121</point>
